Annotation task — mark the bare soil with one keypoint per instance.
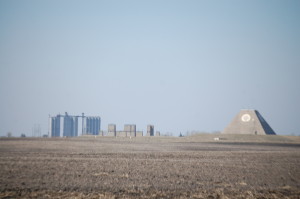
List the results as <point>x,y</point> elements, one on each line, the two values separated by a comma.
<point>149,168</point>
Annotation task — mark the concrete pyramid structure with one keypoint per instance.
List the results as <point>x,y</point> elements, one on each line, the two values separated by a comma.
<point>249,122</point>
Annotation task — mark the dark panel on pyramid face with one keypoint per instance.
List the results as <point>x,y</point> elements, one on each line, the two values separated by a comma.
<point>265,125</point>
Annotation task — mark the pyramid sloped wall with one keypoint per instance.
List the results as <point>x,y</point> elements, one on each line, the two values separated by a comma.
<point>248,122</point>
<point>265,125</point>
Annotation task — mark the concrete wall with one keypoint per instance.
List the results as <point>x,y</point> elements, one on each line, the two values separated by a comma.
<point>110,134</point>
<point>121,134</point>
<point>139,134</point>
<point>129,131</point>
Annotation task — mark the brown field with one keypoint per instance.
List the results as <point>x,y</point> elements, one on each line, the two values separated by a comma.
<point>190,167</point>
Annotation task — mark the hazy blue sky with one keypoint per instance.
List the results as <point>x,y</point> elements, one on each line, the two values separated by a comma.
<point>180,65</point>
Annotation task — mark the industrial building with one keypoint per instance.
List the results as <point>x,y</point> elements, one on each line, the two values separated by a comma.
<point>112,130</point>
<point>67,125</point>
<point>70,127</point>
<point>129,131</point>
<point>92,125</point>
<point>150,130</point>
<point>55,126</point>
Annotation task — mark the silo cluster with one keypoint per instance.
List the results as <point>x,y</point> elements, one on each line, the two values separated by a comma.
<point>67,125</point>
<point>92,125</point>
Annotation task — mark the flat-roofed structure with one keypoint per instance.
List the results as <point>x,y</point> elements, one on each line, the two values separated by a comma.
<point>112,130</point>
<point>130,130</point>
<point>150,130</point>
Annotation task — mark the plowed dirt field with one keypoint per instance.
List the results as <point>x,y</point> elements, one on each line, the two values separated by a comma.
<point>148,168</point>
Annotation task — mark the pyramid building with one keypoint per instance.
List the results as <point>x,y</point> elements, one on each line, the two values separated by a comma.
<point>249,122</point>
